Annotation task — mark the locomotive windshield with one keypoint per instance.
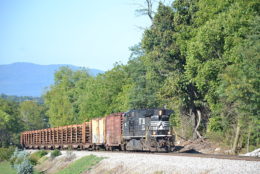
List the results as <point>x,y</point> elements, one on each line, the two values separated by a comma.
<point>160,118</point>
<point>165,118</point>
<point>155,118</point>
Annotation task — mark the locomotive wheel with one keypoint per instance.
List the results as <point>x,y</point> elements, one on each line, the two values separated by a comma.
<point>90,148</point>
<point>96,147</point>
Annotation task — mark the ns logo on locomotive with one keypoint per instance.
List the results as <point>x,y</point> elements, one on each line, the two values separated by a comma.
<point>135,130</point>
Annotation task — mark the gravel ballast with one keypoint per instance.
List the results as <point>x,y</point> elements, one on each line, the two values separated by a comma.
<point>140,163</point>
<point>132,163</point>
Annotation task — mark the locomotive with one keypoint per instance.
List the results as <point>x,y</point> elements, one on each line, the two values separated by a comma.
<point>148,130</point>
<point>135,130</point>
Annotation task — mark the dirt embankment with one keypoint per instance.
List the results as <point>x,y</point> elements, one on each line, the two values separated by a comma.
<point>200,146</point>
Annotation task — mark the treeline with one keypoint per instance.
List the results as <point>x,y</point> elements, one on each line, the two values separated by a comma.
<point>16,117</point>
<point>200,58</point>
<point>21,98</point>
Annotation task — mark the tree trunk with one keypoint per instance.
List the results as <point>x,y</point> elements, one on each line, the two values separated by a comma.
<point>198,124</point>
<point>248,140</point>
<point>194,123</point>
<point>234,148</point>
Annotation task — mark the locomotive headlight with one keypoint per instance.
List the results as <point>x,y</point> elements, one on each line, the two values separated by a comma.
<point>169,132</point>
<point>154,132</point>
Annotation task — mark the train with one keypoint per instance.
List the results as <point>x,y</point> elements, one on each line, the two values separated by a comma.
<point>135,130</point>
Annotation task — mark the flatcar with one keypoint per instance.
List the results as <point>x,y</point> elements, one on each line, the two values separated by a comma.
<point>135,130</point>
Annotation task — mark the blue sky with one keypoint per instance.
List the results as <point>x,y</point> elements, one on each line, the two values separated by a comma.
<point>93,34</point>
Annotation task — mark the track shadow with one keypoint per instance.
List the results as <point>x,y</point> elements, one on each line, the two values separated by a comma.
<point>177,148</point>
<point>191,151</point>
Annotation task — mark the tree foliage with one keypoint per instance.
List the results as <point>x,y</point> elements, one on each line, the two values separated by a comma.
<point>33,115</point>
<point>76,97</point>
<point>16,117</point>
<point>9,122</point>
<point>62,98</point>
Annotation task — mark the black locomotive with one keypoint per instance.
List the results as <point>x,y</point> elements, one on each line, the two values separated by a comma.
<point>148,130</point>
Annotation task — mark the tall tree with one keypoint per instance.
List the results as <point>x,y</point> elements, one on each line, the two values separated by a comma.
<point>33,115</point>
<point>10,123</point>
<point>240,88</point>
<point>106,93</point>
<point>62,97</point>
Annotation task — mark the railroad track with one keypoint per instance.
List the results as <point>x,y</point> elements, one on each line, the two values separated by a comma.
<point>216,156</point>
<point>200,155</point>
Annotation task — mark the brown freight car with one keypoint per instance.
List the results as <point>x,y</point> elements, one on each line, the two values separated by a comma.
<point>114,131</point>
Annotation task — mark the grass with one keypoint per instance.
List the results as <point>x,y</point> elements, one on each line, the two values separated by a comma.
<point>5,168</point>
<point>81,165</point>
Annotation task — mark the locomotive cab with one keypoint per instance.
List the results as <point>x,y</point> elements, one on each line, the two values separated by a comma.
<point>160,125</point>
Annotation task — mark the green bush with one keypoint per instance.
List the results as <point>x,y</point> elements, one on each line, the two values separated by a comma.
<point>55,153</point>
<point>18,157</point>
<point>42,153</point>
<point>25,167</point>
<point>20,161</point>
<point>14,156</point>
<point>6,153</point>
<point>215,124</point>
<point>34,158</point>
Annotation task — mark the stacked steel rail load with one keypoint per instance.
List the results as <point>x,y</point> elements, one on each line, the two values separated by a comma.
<point>100,132</point>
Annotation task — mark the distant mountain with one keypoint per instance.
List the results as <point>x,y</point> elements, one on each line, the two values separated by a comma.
<point>19,99</point>
<point>28,79</point>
